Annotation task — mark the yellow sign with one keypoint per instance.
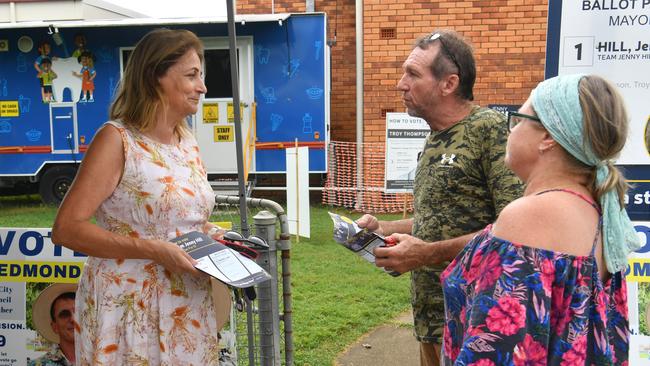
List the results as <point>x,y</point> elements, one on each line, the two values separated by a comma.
<point>638,270</point>
<point>223,134</point>
<point>9,108</point>
<point>210,112</point>
<point>231,112</point>
<point>33,271</point>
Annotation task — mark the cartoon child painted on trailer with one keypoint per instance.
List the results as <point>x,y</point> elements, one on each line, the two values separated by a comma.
<point>44,49</point>
<point>80,42</point>
<point>87,75</point>
<point>46,75</point>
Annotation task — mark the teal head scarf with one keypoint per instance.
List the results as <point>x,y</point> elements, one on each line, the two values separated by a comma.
<point>557,104</point>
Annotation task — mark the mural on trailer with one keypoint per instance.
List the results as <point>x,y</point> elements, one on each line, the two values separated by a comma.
<point>48,108</point>
<point>56,85</point>
<point>76,72</point>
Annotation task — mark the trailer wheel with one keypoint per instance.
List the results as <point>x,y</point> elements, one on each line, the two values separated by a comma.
<point>55,183</point>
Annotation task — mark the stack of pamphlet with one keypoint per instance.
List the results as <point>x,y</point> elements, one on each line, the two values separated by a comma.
<point>221,262</point>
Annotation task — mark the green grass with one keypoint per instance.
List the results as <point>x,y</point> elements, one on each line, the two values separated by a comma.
<point>337,297</point>
<point>25,211</point>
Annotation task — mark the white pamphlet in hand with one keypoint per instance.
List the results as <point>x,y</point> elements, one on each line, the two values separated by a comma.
<point>221,262</point>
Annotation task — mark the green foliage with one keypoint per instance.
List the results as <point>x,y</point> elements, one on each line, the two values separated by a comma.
<point>644,301</point>
<point>337,296</point>
<point>33,289</point>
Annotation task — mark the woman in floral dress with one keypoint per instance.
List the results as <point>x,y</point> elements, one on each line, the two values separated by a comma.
<point>140,300</point>
<point>545,285</point>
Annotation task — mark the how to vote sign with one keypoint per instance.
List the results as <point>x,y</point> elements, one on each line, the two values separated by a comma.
<point>29,261</point>
<point>610,38</point>
<point>405,136</point>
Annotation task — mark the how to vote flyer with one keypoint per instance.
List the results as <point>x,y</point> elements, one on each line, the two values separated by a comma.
<point>221,262</point>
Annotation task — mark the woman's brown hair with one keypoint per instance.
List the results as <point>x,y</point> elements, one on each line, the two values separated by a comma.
<point>605,124</point>
<point>139,98</point>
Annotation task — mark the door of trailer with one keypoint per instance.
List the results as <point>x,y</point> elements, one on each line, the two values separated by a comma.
<point>63,127</point>
<point>214,122</point>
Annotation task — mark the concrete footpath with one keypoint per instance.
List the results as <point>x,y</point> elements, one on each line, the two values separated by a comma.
<point>389,344</point>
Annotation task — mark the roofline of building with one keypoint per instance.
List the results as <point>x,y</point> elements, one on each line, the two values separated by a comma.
<point>244,18</point>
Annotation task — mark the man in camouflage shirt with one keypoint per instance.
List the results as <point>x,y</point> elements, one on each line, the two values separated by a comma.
<point>461,182</point>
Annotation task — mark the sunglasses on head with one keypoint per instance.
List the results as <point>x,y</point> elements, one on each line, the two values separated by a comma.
<point>445,49</point>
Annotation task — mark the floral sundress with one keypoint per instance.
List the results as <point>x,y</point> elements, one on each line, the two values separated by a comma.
<point>509,304</point>
<point>134,312</point>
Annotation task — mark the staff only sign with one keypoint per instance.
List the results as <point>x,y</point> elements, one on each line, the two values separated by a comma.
<point>29,262</point>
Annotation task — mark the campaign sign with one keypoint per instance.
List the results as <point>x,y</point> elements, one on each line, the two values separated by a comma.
<point>29,262</point>
<point>637,199</point>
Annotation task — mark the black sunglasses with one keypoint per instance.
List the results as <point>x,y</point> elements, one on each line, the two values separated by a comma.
<point>514,118</point>
<point>445,49</point>
<point>64,314</point>
<point>252,241</point>
<point>241,249</point>
<point>248,247</point>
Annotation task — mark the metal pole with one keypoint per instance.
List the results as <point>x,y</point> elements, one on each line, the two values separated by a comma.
<point>234,74</point>
<point>359,37</point>
<point>250,331</point>
<point>283,244</point>
<point>267,292</point>
<point>297,194</point>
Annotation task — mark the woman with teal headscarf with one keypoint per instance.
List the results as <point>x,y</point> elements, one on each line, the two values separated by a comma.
<point>545,283</point>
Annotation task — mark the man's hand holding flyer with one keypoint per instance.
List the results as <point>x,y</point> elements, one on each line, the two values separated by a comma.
<point>358,240</point>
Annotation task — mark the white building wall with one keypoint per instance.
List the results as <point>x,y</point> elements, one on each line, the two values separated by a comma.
<point>53,10</point>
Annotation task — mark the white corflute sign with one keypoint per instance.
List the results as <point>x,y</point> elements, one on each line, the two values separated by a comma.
<point>298,191</point>
<point>405,136</point>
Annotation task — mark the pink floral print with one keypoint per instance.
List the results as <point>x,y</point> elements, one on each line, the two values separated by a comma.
<point>507,317</point>
<point>509,304</point>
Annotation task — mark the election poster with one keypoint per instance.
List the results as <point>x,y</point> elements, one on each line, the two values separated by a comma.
<point>405,136</point>
<point>610,38</point>
<point>29,263</point>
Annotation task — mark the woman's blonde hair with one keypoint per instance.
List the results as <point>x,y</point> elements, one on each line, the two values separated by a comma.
<point>139,98</point>
<point>605,124</point>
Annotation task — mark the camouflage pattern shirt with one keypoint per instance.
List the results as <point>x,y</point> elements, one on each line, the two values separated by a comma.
<point>461,184</point>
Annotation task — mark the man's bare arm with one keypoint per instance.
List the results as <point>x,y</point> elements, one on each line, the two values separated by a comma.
<point>410,252</point>
<point>404,226</point>
<point>371,223</point>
